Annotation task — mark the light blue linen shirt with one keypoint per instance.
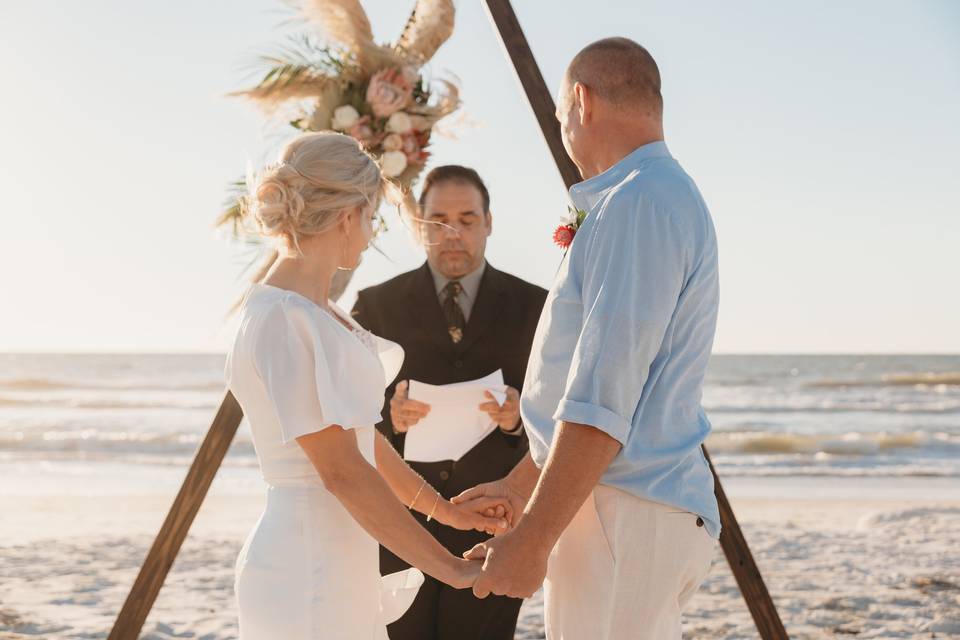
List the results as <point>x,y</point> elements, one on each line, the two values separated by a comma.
<point>627,330</point>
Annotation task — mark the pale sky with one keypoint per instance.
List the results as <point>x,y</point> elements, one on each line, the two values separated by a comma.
<point>823,135</point>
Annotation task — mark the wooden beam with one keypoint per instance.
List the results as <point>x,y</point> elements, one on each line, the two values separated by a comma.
<point>734,544</point>
<point>170,538</point>
<point>745,570</point>
<point>538,95</point>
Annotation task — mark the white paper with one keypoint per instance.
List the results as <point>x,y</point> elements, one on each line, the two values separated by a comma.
<point>499,394</point>
<point>455,424</point>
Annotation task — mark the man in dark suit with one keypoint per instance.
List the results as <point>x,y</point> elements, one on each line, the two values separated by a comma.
<point>458,319</point>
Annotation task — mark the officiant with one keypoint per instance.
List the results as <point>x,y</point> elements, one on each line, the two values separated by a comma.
<point>458,319</point>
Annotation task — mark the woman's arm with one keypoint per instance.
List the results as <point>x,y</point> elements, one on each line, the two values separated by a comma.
<point>346,474</point>
<point>489,514</point>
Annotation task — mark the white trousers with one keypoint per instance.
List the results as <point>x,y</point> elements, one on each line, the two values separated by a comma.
<point>624,570</point>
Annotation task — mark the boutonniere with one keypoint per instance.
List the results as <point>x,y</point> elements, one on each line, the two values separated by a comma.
<point>569,225</point>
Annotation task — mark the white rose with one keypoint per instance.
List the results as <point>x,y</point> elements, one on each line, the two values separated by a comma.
<point>399,123</point>
<point>393,163</point>
<point>393,142</point>
<point>344,117</point>
<point>419,123</point>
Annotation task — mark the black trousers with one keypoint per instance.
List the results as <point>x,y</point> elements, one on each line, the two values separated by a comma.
<point>441,612</point>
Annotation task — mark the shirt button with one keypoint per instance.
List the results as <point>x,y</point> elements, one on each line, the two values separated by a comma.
<point>458,364</point>
<point>444,475</point>
<point>699,522</point>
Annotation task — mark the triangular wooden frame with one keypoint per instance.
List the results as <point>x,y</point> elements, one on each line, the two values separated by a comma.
<point>216,443</point>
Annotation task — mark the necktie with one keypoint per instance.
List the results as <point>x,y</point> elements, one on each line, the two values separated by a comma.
<point>452,311</point>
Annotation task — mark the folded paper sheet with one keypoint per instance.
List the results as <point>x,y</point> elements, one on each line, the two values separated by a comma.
<point>455,424</point>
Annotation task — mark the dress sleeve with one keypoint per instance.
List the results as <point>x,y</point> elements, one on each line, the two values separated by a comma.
<point>306,375</point>
<point>632,275</point>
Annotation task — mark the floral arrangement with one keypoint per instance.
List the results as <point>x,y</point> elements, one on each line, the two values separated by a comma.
<point>378,94</point>
<point>569,225</point>
<point>386,122</point>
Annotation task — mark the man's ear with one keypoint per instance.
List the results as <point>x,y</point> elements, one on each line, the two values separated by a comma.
<point>583,102</point>
<point>489,217</point>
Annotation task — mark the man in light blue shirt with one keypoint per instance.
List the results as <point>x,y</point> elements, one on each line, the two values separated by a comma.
<point>616,485</point>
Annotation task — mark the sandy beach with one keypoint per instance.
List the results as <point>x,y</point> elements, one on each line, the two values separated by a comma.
<point>844,473</point>
<point>865,558</point>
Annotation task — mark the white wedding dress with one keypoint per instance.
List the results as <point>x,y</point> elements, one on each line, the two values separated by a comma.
<point>308,570</point>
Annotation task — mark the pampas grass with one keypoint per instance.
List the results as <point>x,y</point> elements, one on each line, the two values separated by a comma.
<point>316,72</point>
<point>430,25</point>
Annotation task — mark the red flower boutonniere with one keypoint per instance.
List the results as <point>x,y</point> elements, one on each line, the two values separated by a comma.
<point>570,224</point>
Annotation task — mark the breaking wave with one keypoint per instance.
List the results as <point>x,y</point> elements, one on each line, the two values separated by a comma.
<point>51,384</point>
<point>850,444</point>
<point>949,379</point>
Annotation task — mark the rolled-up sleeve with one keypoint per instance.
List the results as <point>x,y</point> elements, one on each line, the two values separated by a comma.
<point>633,269</point>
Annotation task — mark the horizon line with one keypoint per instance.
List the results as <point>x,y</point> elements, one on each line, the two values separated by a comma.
<point>199,352</point>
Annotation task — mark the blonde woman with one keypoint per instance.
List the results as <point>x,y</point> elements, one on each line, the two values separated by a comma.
<point>311,383</point>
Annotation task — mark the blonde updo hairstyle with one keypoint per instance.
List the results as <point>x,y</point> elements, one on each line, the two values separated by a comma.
<point>319,176</point>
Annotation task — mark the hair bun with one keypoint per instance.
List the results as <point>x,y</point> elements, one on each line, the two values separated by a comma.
<point>319,175</point>
<point>277,205</point>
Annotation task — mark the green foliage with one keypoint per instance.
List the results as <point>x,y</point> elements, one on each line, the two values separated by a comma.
<point>233,207</point>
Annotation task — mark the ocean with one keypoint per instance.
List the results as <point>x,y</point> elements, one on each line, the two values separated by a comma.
<point>773,415</point>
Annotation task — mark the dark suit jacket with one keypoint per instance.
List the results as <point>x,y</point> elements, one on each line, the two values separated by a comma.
<point>498,335</point>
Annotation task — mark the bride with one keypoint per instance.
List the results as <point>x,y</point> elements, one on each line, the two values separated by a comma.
<point>311,383</point>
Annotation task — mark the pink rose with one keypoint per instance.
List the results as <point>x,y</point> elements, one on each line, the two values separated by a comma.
<point>413,148</point>
<point>410,145</point>
<point>389,91</point>
<point>361,130</point>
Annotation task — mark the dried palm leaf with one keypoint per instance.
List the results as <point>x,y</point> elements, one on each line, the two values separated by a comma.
<point>301,69</point>
<point>233,212</point>
<point>329,99</point>
<point>430,25</point>
<point>285,83</point>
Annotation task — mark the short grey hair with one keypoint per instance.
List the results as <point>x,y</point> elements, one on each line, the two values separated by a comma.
<point>619,71</point>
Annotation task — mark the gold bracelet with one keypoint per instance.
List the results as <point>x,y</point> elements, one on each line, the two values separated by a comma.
<point>414,501</point>
<point>435,505</point>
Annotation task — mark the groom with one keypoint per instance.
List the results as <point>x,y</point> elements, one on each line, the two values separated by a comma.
<point>616,490</point>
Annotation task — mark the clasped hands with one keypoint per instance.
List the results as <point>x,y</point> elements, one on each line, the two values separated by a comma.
<point>515,561</point>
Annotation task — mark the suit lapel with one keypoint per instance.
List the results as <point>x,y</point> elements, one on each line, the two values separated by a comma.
<point>425,309</point>
<point>485,308</point>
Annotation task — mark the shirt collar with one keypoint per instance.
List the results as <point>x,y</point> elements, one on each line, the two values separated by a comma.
<point>469,282</point>
<point>587,193</point>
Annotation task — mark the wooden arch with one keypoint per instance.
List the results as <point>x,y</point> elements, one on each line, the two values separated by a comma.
<point>216,443</point>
